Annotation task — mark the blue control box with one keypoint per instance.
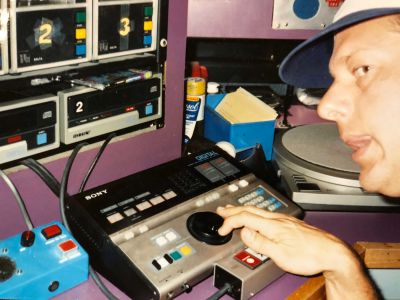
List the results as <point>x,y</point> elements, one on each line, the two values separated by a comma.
<point>41,263</point>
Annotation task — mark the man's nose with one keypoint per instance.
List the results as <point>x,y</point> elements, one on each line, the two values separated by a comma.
<point>334,105</point>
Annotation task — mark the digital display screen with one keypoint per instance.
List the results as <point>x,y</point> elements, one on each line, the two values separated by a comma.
<point>49,36</point>
<point>124,27</point>
<point>217,169</point>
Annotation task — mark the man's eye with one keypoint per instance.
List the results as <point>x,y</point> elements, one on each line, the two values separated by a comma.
<point>361,71</point>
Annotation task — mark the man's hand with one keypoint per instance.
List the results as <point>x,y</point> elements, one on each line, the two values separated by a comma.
<point>299,248</point>
<point>293,245</point>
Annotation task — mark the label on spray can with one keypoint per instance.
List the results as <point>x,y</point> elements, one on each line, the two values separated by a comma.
<point>195,102</point>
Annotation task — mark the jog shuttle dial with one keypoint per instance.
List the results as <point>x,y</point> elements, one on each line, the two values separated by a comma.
<point>204,226</point>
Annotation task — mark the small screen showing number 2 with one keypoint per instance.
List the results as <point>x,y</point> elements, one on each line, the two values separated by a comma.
<point>49,36</point>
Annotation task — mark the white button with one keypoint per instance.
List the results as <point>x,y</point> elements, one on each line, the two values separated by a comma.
<point>156,200</point>
<point>242,200</point>
<point>233,188</point>
<point>161,241</point>
<point>129,212</point>
<point>143,229</point>
<point>208,198</point>
<point>243,183</point>
<point>163,262</point>
<point>199,202</point>
<point>114,218</point>
<point>129,235</point>
<point>169,195</point>
<point>215,195</point>
<point>144,205</point>
<point>171,236</point>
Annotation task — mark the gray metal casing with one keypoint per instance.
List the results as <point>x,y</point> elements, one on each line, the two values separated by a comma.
<point>74,134</point>
<point>19,149</point>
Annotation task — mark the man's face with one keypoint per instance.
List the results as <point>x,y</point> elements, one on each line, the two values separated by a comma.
<point>364,100</point>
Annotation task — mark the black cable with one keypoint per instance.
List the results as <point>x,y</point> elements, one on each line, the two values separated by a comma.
<point>64,182</point>
<point>44,174</point>
<point>221,292</point>
<point>20,202</point>
<point>63,189</point>
<point>95,161</point>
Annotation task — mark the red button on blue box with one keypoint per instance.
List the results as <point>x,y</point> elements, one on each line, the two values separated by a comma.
<point>51,231</point>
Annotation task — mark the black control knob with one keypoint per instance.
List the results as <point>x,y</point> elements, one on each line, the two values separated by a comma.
<point>27,238</point>
<point>7,268</point>
<point>204,226</point>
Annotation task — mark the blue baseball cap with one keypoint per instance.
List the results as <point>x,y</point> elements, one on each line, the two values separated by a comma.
<point>306,66</point>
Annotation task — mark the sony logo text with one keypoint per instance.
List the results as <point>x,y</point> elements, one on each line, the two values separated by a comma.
<point>96,194</point>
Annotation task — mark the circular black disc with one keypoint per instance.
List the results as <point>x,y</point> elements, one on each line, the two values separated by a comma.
<point>203,226</point>
<point>7,268</point>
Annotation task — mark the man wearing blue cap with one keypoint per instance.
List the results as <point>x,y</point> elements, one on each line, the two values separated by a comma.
<point>357,57</point>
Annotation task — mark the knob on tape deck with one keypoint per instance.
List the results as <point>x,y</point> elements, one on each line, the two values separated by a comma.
<point>154,234</point>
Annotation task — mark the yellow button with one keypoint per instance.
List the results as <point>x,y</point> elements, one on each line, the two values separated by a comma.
<point>148,25</point>
<point>80,33</point>
<point>186,250</point>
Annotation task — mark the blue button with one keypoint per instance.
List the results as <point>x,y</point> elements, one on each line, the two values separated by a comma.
<point>148,109</point>
<point>175,255</point>
<point>41,138</point>
<point>147,40</point>
<point>80,50</point>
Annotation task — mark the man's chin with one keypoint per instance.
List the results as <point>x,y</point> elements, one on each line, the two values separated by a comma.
<point>372,185</point>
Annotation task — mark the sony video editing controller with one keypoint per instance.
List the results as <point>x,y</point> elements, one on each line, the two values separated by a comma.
<point>154,233</point>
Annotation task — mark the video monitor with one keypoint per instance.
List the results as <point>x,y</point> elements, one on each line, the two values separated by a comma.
<point>50,35</point>
<point>124,27</point>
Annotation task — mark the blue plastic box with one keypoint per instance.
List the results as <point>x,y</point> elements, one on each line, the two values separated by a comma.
<point>243,135</point>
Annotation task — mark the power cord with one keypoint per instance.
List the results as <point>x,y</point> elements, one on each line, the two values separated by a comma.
<point>221,292</point>
<point>20,202</point>
<point>95,160</point>
<point>44,174</point>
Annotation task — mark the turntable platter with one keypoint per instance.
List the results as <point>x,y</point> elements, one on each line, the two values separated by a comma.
<point>317,172</point>
<point>320,144</point>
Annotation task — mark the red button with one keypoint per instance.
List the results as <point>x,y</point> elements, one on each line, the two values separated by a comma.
<point>248,260</point>
<point>51,231</point>
<point>67,246</point>
<point>14,139</point>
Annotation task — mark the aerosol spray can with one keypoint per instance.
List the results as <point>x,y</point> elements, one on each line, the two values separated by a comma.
<point>195,102</point>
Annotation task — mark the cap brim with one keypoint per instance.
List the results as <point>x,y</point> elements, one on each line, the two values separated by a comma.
<point>306,66</point>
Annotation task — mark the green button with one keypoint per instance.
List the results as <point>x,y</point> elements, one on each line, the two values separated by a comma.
<point>148,11</point>
<point>80,17</point>
<point>175,255</point>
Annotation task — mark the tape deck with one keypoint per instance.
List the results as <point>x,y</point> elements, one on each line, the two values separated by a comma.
<point>86,112</point>
<point>28,126</point>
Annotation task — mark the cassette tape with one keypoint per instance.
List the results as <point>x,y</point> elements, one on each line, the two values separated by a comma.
<point>46,34</point>
<point>124,27</point>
